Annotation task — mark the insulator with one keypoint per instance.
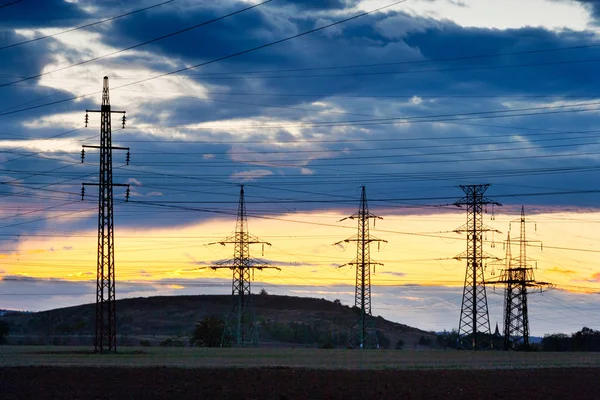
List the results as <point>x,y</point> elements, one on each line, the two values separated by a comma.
<point>127,157</point>
<point>123,121</point>
<point>127,193</point>
<point>82,154</point>
<point>87,119</point>
<point>82,192</point>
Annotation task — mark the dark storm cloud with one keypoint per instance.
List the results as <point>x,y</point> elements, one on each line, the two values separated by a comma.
<point>382,38</point>
<point>42,14</point>
<point>159,160</point>
<point>323,4</point>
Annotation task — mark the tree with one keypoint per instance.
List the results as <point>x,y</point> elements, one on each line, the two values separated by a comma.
<point>448,339</point>
<point>208,332</point>
<point>425,341</point>
<point>399,344</point>
<point>263,292</point>
<point>4,330</point>
<point>382,340</point>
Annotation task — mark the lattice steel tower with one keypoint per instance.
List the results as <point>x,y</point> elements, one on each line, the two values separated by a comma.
<point>518,278</point>
<point>240,329</point>
<point>105,322</point>
<point>362,335</point>
<point>474,322</point>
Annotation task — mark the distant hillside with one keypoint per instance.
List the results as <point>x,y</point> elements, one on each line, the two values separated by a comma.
<point>154,319</point>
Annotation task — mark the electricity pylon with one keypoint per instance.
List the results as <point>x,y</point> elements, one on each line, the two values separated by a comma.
<point>241,331</point>
<point>106,335</point>
<point>519,279</point>
<point>361,333</point>
<point>474,323</point>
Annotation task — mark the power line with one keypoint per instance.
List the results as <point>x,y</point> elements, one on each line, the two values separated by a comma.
<point>434,60</point>
<point>416,71</point>
<point>432,118</point>
<point>84,26</point>
<point>135,46</point>
<point>239,53</point>
<point>10,3</point>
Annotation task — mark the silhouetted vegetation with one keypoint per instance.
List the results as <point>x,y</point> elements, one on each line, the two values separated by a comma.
<point>171,343</point>
<point>585,340</point>
<point>425,341</point>
<point>303,333</point>
<point>208,332</point>
<point>383,340</point>
<point>4,331</point>
<point>448,340</point>
<point>399,344</point>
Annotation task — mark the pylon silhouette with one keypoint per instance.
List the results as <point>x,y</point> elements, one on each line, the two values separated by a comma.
<point>240,325</point>
<point>362,333</point>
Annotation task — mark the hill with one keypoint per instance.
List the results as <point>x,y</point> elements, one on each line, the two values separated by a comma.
<point>281,320</point>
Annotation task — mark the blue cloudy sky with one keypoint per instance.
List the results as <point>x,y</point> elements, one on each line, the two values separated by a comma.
<point>410,101</point>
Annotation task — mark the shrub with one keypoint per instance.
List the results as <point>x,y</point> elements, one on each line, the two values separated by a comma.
<point>399,344</point>
<point>171,343</point>
<point>4,331</point>
<point>425,341</point>
<point>208,332</point>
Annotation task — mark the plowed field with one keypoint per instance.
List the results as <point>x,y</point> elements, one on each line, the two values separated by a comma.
<point>295,383</point>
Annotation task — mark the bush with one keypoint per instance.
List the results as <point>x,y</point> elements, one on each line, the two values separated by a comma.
<point>326,345</point>
<point>171,343</point>
<point>208,332</point>
<point>400,344</point>
<point>425,341</point>
<point>448,339</point>
<point>382,340</point>
<point>4,331</point>
<point>145,343</point>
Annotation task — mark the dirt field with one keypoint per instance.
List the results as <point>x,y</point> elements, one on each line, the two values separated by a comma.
<point>294,383</point>
<point>67,373</point>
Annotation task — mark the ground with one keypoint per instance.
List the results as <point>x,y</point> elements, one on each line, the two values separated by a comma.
<point>62,373</point>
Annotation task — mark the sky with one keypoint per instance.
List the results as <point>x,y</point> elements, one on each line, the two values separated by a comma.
<point>410,101</point>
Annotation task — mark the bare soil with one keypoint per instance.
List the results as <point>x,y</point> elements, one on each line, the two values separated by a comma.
<point>295,383</point>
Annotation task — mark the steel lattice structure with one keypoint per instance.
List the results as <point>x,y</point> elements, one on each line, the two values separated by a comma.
<point>240,329</point>
<point>105,321</point>
<point>518,278</point>
<point>361,333</point>
<point>474,323</point>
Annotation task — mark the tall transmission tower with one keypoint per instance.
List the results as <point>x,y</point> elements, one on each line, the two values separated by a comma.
<point>106,335</point>
<point>361,333</point>
<point>519,279</point>
<point>474,322</point>
<point>240,329</point>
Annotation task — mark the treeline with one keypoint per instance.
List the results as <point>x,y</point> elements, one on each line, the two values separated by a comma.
<point>209,333</point>
<point>586,339</point>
